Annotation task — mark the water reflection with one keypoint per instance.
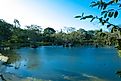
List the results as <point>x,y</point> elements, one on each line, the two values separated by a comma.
<point>69,64</point>
<point>33,60</point>
<point>2,68</point>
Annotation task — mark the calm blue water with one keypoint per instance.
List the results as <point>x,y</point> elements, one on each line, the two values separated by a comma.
<point>69,64</point>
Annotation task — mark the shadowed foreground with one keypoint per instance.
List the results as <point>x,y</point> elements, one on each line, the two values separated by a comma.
<point>13,77</point>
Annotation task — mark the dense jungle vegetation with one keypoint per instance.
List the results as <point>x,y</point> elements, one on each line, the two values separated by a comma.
<point>13,36</point>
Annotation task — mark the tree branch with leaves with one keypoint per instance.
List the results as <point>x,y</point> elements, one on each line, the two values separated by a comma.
<point>108,10</point>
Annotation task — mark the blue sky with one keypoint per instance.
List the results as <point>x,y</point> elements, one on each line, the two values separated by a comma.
<point>48,13</point>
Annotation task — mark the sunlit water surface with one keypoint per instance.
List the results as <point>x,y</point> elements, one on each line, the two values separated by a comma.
<point>57,63</point>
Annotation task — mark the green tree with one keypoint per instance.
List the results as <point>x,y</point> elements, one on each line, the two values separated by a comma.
<point>5,32</point>
<point>49,30</point>
<point>34,34</point>
<point>47,34</point>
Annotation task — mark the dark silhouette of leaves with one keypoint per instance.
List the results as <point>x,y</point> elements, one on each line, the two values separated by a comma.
<point>82,14</point>
<point>89,16</point>
<point>105,15</point>
<point>100,19</point>
<point>111,2</point>
<point>92,19</point>
<point>77,16</point>
<point>93,4</point>
<point>110,14</point>
<point>120,5</point>
<point>108,25</point>
<point>103,12</point>
<point>108,10</point>
<point>115,1</point>
<point>105,6</point>
<point>116,14</point>
<point>107,19</point>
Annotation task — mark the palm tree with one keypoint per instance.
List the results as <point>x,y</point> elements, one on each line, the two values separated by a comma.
<point>16,23</point>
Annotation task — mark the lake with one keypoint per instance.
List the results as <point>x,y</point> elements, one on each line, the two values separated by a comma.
<point>56,63</point>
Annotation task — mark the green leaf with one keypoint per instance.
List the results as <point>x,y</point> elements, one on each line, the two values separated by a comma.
<point>108,25</point>
<point>93,4</point>
<point>107,19</point>
<point>105,6</point>
<point>105,15</point>
<point>83,18</point>
<point>89,16</point>
<point>100,19</point>
<point>111,2</point>
<point>103,23</point>
<point>92,19</point>
<point>77,16</point>
<point>103,12</point>
<point>82,14</point>
<point>99,6</point>
<point>120,5</point>
<point>116,1</point>
<point>110,14</point>
<point>115,14</point>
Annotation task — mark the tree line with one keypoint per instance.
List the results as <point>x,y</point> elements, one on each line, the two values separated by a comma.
<point>13,36</point>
